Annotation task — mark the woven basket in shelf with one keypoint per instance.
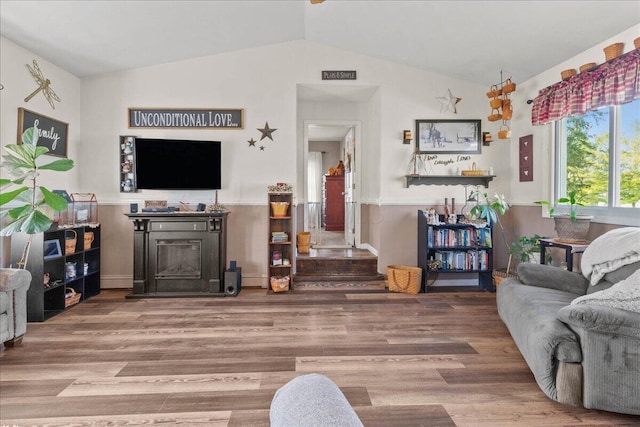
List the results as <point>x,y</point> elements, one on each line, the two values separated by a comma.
<point>279,284</point>
<point>636,42</point>
<point>613,51</point>
<point>587,66</point>
<point>279,209</point>
<point>70,242</point>
<point>71,297</point>
<point>568,73</point>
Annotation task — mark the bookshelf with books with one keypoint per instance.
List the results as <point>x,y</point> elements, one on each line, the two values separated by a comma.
<point>281,235</point>
<point>454,249</point>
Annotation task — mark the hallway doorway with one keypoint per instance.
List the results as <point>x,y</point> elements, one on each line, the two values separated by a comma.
<point>330,175</point>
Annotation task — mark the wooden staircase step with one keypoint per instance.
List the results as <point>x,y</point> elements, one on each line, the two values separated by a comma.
<point>337,268</point>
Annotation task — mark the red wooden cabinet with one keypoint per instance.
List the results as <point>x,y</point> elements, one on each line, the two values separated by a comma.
<point>334,203</point>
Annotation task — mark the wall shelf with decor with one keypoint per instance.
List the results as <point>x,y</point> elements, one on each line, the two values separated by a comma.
<point>127,164</point>
<point>60,259</point>
<point>460,248</point>
<point>281,248</point>
<point>448,180</point>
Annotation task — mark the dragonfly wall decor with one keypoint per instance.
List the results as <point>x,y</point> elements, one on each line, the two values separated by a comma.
<point>44,85</point>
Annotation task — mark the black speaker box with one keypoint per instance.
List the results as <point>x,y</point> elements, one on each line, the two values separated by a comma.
<point>232,282</point>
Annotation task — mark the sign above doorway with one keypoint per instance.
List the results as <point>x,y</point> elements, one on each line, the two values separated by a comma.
<point>338,75</point>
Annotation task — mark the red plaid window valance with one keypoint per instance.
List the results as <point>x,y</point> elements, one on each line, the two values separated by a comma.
<point>612,83</point>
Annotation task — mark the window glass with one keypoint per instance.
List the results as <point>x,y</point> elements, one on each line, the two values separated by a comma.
<point>630,155</point>
<point>586,154</point>
<point>598,157</point>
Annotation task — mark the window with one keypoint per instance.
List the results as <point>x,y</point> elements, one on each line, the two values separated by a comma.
<point>598,157</point>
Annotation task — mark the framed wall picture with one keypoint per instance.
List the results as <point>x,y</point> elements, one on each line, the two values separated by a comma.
<point>52,249</point>
<point>448,136</point>
<point>53,133</point>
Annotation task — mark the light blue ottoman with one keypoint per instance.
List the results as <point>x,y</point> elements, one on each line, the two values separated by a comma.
<point>311,400</point>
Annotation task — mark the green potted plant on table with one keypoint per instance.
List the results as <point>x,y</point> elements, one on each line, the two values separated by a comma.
<point>31,205</point>
<point>571,227</point>
<point>527,248</point>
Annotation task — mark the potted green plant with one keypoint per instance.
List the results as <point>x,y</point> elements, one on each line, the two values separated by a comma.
<point>571,226</point>
<point>31,205</point>
<point>527,248</point>
<point>490,209</point>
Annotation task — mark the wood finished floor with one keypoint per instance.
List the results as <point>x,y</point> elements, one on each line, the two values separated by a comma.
<point>440,359</point>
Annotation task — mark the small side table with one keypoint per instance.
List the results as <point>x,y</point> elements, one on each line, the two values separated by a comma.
<point>569,250</point>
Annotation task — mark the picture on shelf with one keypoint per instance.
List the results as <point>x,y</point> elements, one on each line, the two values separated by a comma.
<point>52,249</point>
<point>276,258</point>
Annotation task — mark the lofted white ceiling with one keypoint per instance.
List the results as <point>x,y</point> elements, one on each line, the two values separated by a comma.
<point>469,40</point>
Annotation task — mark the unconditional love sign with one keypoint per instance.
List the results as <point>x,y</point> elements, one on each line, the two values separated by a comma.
<point>186,118</point>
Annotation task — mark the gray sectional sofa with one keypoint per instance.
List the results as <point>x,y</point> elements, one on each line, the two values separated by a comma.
<point>580,335</point>
<point>14,284</point>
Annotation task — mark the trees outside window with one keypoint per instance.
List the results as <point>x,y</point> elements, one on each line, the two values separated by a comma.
<point>598,156</point>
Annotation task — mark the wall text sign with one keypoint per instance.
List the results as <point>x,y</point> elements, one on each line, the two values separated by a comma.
<point>198,118</point>
<point>338,75</point>
<point>52,133</point>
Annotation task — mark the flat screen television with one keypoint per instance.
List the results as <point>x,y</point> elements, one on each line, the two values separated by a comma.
<point>174,164</point>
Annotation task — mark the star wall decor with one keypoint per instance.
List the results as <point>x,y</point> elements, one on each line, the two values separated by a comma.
<point>262,148</point>
<point>252,142</point>
<point>448,102</point>
<point>266,132</point>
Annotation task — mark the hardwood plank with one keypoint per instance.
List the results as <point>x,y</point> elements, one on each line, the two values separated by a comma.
<point>212,419</point>
<point>97,386</point>
<point>405,416</point>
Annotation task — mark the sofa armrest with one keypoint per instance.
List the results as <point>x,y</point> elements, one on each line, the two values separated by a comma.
<point>605,320</point>
<point>12,279</point>
<point>610,339</point>
<point>547,276</point>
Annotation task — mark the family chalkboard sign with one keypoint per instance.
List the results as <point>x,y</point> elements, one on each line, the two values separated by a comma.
<point>52,133</point>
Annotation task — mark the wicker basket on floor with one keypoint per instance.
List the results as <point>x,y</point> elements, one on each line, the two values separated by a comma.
<point>404,279</point>
<point>500,274</point>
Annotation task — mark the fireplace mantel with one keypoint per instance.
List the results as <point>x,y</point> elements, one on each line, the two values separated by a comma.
<point>190,241</point>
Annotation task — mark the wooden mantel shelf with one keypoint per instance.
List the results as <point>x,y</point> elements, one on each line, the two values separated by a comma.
<point>448,180</point>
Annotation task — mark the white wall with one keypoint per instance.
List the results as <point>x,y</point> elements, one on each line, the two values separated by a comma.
<point>18,84</point>
<point>263,82</point>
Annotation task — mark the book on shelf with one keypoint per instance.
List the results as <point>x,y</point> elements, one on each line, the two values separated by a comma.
<point>279,236</point>
<point>463,260</point>
<point>449,237</point>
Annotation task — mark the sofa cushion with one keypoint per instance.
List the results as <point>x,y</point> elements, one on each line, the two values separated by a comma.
<point>4,302</point>
<point>622,273</point>
<point>4,327</point>
<point>530,314</point>
<point>548,276</point>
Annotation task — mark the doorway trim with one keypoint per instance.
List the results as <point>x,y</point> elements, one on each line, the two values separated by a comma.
<point>356,163</point>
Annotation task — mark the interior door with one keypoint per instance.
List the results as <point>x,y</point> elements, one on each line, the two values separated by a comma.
<point>349,192</point>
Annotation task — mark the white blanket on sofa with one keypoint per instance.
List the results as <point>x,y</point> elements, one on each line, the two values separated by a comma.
<point>609,252</point>
<point>624,295</point>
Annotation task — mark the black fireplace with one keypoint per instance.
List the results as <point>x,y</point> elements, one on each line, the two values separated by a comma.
<point>179,254</point>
